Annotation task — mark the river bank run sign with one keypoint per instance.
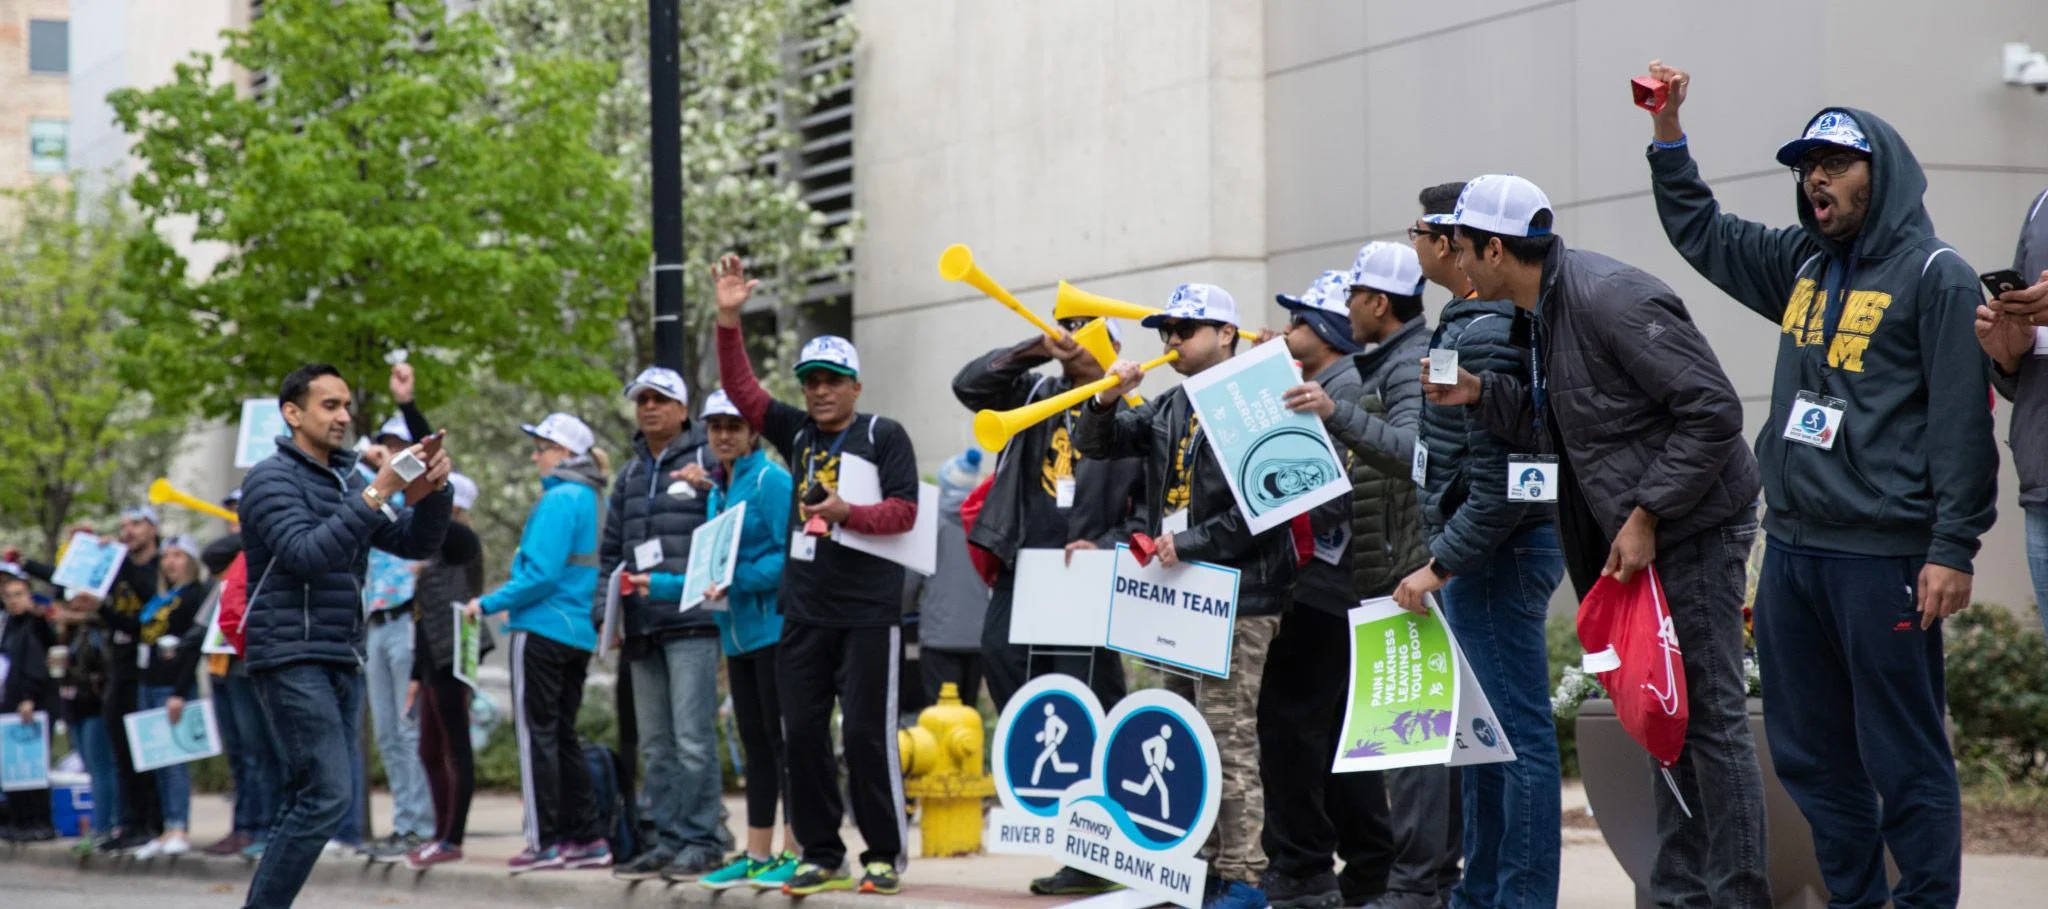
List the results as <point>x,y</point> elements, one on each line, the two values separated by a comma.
<point>1129,796</point>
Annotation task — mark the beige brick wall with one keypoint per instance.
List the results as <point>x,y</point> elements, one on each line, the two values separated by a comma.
<point>23,95</point>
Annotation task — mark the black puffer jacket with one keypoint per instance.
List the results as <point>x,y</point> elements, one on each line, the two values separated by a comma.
<point>1465,509</point>
<point>1378,430</point>
<point>1647,415</point>
<point>453,575</point>
<point>1108,495</point>
<point>307,535</point>
<point>642,509</point>
<point>1319,584</point>
<point>1217,531</point>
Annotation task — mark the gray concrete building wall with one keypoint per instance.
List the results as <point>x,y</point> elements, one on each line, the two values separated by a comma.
<point>1128,146</point>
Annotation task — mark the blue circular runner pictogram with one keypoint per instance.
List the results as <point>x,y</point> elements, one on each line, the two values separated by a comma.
<point>1051,741</point>
<point>1154,770</point>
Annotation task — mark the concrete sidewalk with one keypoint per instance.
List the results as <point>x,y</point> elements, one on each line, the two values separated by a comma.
<point>1591,879</point>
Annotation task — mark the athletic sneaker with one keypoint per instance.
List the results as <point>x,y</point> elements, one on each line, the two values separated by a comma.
<point>232,844</point>
<point>254,851</point>
<point>1236,895</point>
<point>392,848</point>
<point>778,872</point>
<point>531,859</point>
<point>432,854</point>
<point>645,868</point>
<point>1316,891</point>
<point>737,873</point>
<point>594,854</point>
<point>1072,881</point>
<point>881,878</point>
<point>692,863</point>
<point>809,878</point>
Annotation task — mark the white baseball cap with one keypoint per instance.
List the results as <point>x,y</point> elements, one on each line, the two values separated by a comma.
<point>394,427</point>
<point>719,405</point>
<point>1203,302</point>
<point>829,352</point>
<point>1501,204</point>
<point>1390,268</point>
<point>663,380</point>
<point>564,430</point>
<point>464,490</point>
<point>1831,127</point>
<point>141,513</point>
<point>185,544</point>
<point>1330,293</point>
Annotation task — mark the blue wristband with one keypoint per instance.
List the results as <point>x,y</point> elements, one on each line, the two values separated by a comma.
<point>1676,143</point>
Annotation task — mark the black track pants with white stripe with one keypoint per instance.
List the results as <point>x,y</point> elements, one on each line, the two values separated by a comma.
<point>547,689</point>
<point>859,666</point>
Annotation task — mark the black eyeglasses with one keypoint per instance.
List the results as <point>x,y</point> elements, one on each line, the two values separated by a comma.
<point>1833,163</point>
<point>1183,330</point>
<point>1416,233</point>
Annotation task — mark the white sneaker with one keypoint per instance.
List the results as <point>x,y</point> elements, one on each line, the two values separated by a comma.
<point>149,850</point>
<point>174,844</point>
<point>334,848</point>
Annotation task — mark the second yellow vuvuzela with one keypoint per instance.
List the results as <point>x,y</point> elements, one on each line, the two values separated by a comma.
<point>993,428</point>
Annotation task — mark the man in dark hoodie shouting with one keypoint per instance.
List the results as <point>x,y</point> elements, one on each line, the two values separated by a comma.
<point>1870,535</point>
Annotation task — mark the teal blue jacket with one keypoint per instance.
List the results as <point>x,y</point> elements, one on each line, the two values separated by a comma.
<point>554,574</point>
<point>751,619</point>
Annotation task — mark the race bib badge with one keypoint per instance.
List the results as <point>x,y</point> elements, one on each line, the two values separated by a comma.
<point>1063,492</point>
<point>803,547</point>
<point>1815,420</point>
<point>647,555</point>
<point>1174,523</point>
<point>1532,478</point>
<point>1420,472</point>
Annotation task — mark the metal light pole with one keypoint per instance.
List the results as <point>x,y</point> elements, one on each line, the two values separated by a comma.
<point>664,106</point>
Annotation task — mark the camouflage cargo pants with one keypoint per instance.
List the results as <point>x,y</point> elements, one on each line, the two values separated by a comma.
<point>1231,708</point>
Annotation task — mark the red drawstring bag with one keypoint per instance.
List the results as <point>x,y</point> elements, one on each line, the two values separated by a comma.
<point>985,562</point>
<point>234,602</point>
<point>1626,630</point>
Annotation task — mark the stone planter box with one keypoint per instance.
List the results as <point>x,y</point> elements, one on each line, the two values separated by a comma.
<point>1621,782</point>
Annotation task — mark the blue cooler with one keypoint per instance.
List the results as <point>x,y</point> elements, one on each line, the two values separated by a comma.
<point>71,804</point>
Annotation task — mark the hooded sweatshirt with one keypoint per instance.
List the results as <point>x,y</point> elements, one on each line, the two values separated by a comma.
<point>1883,322</point>
<point>554,573</point>
<point>751,619</point>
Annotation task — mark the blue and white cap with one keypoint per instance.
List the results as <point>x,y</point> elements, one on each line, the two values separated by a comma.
<point>663,381</point>
<point>1832,127</point>
<point>1203,302</point>
<point>719,405</point>
<point>564,430</point>
<point>1390,268</point>
<point>185,544</point>
<point>464,490</point>
<point>1501,204</point>
<point>141,513</point>
<point>395,427</point>
<point>1329,292</point>
<point>829,352</point>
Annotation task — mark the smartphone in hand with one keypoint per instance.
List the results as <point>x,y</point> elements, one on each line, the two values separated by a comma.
<point>2004,280</point>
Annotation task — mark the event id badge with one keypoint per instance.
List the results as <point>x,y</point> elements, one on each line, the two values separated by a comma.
<point>647,555</point>
<point>1443,366</point>
<point>1176,522</point>
<point>802,546</point>
<point>1420,471</point>
<point>1532,478</point>
<point>1815,420</point>
<point>1063,492</point>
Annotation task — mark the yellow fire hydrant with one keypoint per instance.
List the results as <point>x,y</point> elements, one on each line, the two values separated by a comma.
<point>942,768</point>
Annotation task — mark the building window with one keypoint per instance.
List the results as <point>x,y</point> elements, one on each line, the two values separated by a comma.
<point>47,145</point>
<point>49,46</point>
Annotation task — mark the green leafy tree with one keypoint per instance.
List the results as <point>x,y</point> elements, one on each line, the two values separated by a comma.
<point>72,435</point>
<point>403,180</point>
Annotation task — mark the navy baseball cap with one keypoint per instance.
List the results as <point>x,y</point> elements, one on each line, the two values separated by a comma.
<point>1324,306</point>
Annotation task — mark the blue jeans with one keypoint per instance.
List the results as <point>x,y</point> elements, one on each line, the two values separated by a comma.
<point>2037,557</point>
<point>253,754</point>
<point>173,783</point>
<point>1511,810</point>
<point>675,703</point>
<point>353,824</point>
<point>97,750</point>
<point>389,665</point>
<point>315,710</point>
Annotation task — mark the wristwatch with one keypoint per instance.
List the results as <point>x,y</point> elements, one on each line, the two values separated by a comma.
<point>376,502</point>
<point>1437,568</point>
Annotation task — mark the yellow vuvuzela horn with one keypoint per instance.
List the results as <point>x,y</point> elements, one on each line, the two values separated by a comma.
<point>993,428</point>
<point>1094,338</point>
<point>161,492</point>
<point>1074,303</point>
<point>957,264</point>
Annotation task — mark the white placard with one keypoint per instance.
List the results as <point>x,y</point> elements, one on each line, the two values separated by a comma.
<point>1278,463</point>
<point>89,565</point>
<point>1183,616</point>
<point>714,557</point>
<point>1058,603</point>
<point>24,752</point>
<point>609,631</point>
<point>860,483</point>
<point>153,742</point>
<point>256,438</point>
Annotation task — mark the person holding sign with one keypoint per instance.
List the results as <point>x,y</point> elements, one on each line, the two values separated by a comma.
<point>749,625</point>
<point>669,687</point>
<point>554,576</point>
<point>841,607</point>
<point>1194,517</point>
<point>1881,479</point>
<point>168,636</point>
<point>308,521</point>
<point>1648,428</point>
<point>25,688</point>
<point>455,575</point>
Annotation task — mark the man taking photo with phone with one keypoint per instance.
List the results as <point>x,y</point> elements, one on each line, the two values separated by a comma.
<point>1878,470</point>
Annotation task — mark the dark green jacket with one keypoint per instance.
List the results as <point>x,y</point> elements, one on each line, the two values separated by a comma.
<point>1914,468</point>
<point>1377,430</point>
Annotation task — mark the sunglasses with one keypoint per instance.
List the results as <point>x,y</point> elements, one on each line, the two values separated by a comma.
<point>1073,325</point>
<point>1183,330</point>
<point>1832,163</point>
